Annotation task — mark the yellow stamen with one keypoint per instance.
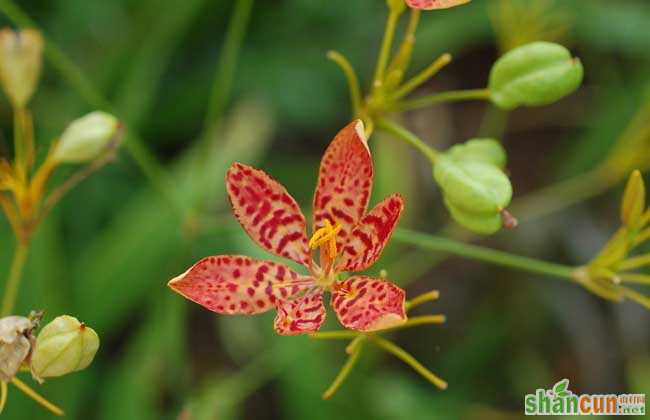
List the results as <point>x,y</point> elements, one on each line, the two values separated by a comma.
<point>325,238</point>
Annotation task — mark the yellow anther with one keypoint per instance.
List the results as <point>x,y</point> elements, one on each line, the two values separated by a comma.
<point>325,238</point>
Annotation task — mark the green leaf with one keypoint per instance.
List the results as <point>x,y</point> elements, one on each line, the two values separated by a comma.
<point>535,74</point>
<point>560,389</point>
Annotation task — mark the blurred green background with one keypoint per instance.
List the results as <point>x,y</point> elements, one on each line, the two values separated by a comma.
<point>108,250</point>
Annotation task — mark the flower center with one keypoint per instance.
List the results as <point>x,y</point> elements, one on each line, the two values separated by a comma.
<point>325,239</point>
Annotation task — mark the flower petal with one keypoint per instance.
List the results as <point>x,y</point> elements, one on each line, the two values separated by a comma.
<point>370,235</point>
<point>368,304</point>
<point>233,284</point>
<point>435,4</point>
<point>267,212</point>
<point>302,315</point>
<point>344,180</point>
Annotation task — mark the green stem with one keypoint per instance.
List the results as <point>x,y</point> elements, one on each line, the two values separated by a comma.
<point>401,354</point>
<point>439,98</point>
<point>344,372</point>
<point>423,298</point>
<point>36,397</point>
<point>404,134</point>
<point>426,74</point>
<point>419,320</point>
<point>228,59</point>
<point>439,244</point>
<point>351,76</point>
<point>13,281</point>
<point>384,53</point>
<point>334,335</point>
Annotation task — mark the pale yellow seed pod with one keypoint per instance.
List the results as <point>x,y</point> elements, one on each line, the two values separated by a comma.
<point>86,138</point>
<point>21,56</point>
<point>63,346</point>
<point>15,344</point>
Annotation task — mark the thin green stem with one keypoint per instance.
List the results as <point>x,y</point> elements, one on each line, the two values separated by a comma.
<point>13,281</point>
<point>401,354</point>
<point>423,298</point>
<point>228,59</point>
<point>426,74</point>
<point>404,134</point>
<point>439,98</point>
<point>344,372</point>
<point>384,52</point>
<point>637,297</point>
<point>351,76</point>
<point>36,397</point>
<point>439,244</point>
<point>419,320</point>
<point>334,335</point>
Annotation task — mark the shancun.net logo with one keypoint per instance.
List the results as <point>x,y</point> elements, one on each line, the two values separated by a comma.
<point>561,401</point>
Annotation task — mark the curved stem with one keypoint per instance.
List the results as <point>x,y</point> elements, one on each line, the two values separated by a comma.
<point>492,256</point>
<point>419,320</point>
<point>228,59</point>
<point>401,354</point>
<point>426,74</point>
<point>36,397</point>
<point>344,372</point>
<point>439,98</point>
<point>404,134</point>
<point>13,281</point>
<point>384,52</point>
<point>423,298</point>
<point>351,76</point>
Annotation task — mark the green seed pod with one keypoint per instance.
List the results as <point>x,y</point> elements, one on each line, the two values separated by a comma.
<point>16,341</point>
<point>485,150</point>
<point>86,138</point>
<point>475,189</point>
<point>63,346</point>
<point>21,55</point>
<point>535,74</point>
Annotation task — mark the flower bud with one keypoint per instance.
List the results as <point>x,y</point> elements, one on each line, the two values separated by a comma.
<point>534,74</point>
<point>86,138</point>
<point>21,55</point>
<point>475,189</point>
<point>633,204</point>
<point>63,346</point>
<point>435,4</point>
<point>16,341</point>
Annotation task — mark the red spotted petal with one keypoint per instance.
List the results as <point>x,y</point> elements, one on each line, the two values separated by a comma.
<point>267,212</point>
<point>344,180</point>
<point>368,304</point>
<point>370,236</point>
<point>435,4</point>
<point>302,315</point>
<point>232,284</point>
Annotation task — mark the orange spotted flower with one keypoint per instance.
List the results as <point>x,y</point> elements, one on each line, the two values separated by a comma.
<point>434,4</point>
<point>348,239</point>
